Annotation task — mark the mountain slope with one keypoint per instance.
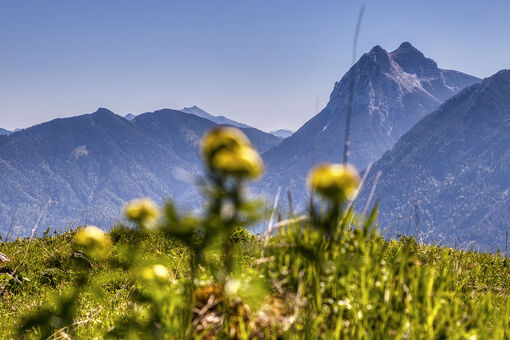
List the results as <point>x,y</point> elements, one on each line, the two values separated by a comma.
<point>392,91</point>
<point>92,164</point>
<point>130,116</point>
<point>4,132</point>
<point>282,133</point>
<point>222,120</point>
<point>163,123</point>
<point>450,172</point>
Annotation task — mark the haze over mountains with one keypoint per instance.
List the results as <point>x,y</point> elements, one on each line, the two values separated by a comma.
<point>445,165</point>
<point>451,172</point>
<point>92,164</point>
<point>392,91</point>
<point>222,120</point>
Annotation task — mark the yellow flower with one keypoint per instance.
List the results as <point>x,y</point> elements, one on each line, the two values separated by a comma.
<point>142,211</point>
<point>232,287</point>
<point>94,241</point>
<point>228,151</point>
<point>156,273</point>
<point>219,138</point>
<point>242,162</point>
<point>337,182</point>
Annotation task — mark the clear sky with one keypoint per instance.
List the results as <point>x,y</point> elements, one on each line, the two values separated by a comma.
<point>263,63</point>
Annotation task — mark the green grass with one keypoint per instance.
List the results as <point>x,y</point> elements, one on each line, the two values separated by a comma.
<point>363,288</point>
<point>325,275</point>
<point>50,269</point>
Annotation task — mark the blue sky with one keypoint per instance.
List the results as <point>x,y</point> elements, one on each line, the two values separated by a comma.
<point>260,62</point>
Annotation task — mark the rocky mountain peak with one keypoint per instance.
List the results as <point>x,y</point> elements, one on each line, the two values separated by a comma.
<point>377,49</point>
<point>392,91</point>
<point>413,61</point>
<point>372,61</point>
<point>405,44</point>
<point>451,169</point>
<point>498,79</point>
<point>102,111</point>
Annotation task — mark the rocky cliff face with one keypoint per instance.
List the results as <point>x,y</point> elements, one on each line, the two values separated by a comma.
<point>450,174</point>
<point>392,91</point>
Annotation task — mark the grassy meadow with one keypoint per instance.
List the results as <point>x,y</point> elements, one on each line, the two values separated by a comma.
<point>326,274</point>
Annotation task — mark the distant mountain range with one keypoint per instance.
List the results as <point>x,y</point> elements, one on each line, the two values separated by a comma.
<point>195,110</point>
<point>438,138</point>
<point>4,132</point>
<point>282,133</point>
<point>449,176</point>
<point>92,164</point>
<point>222,120</point>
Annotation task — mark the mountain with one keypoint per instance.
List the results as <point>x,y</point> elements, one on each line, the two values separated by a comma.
<point>450,173</point>
<point>161,125</point>
<point>282,133</point>
<point>4,132</point>
<point>130,116</point>
<point>391,92</point>
<point>92,164</point>
<point>195,110</point>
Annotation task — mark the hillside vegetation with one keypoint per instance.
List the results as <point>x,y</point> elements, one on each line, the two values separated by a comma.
<point>85,168</point>
<point>323,275</point>
<point>376,289</point>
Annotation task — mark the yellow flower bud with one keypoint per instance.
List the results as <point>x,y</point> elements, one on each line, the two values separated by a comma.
<point>337,182</point>
<point>243,162</point>
<point>93,241</point>
<point>232,286</point>
<point>156,273</point>
<point>228,151</point>
<point>142,211</point>
<point>219,138</point>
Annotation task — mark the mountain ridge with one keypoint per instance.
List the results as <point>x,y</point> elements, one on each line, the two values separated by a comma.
<point>451,169</point>
<point>222,120</point>
<point>387,102</point>
<point>93,163</point>
<point>282,133</point>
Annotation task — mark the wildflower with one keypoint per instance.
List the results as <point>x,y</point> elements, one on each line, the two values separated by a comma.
<point>220,138</point>
<point>232,287</point>
<point>156,273</point>
<point>242,162</point>
<point>142,211</point>
<point>337,182</point>
<point>94,241</point>
<point>228,151</point>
